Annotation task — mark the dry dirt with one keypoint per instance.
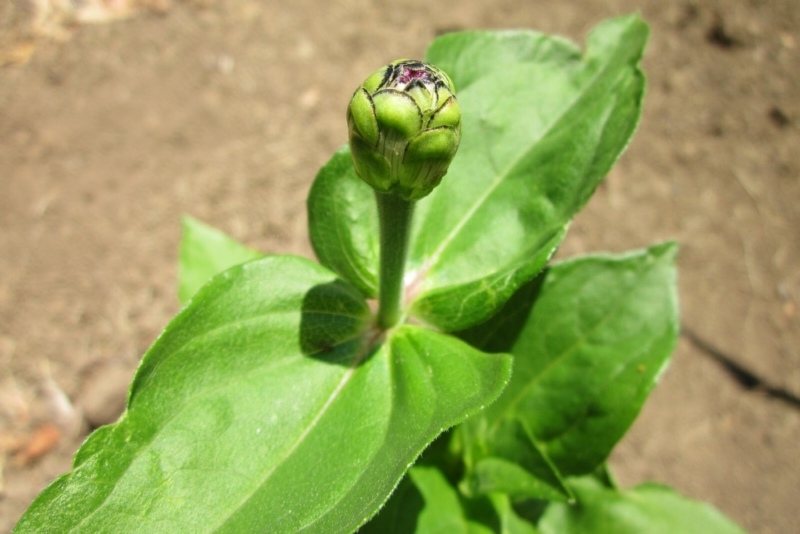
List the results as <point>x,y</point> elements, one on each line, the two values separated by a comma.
<point>225,110</point>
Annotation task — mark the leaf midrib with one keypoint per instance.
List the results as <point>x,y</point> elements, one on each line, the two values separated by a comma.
<point>364,351</point>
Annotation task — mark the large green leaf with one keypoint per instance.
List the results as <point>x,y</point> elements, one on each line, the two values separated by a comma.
<point>205,252</point>
<point>269,404</point>
<point>590,338</point>
<point>542,125</point>
<point>649,508</point>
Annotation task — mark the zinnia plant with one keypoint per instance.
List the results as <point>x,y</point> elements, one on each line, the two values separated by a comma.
<point>432,373</point>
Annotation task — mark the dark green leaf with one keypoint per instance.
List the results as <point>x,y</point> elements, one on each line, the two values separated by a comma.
<point>512,463</point>
<point>205,252</point>
<point>590,338</point>
<point>269,405</point>
<point>542,125</point>
<point>649,508</point>
<point>343,223</point>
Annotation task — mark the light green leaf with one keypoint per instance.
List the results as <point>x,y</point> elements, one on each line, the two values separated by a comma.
<point>205,252</point>
<point>649,508</point>
<point>542,125</point>
<point>269,404</point>
<point>590,338</point>
<point>343,223</point>
<point>470,55</point>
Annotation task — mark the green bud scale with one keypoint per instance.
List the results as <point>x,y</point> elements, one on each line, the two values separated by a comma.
<point>405,126</point>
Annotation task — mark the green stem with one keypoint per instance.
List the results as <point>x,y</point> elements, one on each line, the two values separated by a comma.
<point>394,214</point>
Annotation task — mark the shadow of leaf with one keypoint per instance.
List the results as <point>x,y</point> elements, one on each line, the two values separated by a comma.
<point>335,323</point>
<point>500,332</point>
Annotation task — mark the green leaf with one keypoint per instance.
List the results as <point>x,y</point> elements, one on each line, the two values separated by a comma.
<point>205,252</point>
<point>468,56</point>
<point>590,338</point>
<point>426,502</point>
<point>541,125</point>
<point>510,521</point>
<point>510,462</point>
<point>649,508</point>
<point>343,223</point>
<point>269,404</point>
<point>443,511</point>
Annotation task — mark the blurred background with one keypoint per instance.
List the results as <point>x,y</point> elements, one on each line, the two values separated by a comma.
<point>117,116</point>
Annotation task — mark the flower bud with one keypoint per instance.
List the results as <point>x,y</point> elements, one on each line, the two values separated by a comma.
<point>405,126</point>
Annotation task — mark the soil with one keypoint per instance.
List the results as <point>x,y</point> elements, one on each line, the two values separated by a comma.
<point>225,110</point>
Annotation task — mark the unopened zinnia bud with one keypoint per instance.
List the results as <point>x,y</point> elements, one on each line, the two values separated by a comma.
<point>405,126</point>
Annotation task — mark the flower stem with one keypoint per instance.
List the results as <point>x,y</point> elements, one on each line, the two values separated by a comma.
<point>394,214</point>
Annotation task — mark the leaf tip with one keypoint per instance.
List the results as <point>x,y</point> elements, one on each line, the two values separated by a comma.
<point>668,250</point>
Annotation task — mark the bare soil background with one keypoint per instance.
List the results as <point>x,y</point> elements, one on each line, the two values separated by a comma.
<point>225,110</point>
